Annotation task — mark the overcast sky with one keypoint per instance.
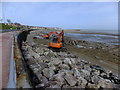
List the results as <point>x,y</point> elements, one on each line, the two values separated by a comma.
<point>67,15</point>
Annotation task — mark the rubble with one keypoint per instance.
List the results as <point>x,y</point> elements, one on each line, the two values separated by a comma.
<point>63,69</point>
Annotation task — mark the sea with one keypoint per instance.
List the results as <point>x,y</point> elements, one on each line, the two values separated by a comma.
<point>110,37</point>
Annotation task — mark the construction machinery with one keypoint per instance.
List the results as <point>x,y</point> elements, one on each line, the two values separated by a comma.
<point>49,34</point>
<point>57,41</point>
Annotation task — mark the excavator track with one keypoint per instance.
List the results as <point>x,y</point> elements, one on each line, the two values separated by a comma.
<point>62,49</point>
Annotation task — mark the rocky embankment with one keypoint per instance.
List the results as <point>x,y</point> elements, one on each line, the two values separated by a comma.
<point>64,70</point>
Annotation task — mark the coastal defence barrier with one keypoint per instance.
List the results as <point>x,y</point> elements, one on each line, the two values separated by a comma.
<point>19,74</point>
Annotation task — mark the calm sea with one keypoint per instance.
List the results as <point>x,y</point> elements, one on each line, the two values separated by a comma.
<point>104,31</point>
<point>109,39</point>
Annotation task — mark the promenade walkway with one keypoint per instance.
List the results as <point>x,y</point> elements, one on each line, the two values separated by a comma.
<point>5,54</point>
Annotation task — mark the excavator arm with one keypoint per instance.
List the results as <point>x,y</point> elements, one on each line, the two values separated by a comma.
<point>48,35</point>
<point>61,37</point>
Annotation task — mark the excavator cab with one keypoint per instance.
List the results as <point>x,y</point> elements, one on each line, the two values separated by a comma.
<point>57,40</point>
<point>55,44</point>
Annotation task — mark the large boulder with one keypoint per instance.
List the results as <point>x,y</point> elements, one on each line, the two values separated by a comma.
<point>71,80</point>
<point>64,66</point>
<point>46,53</point>
<point>47,72</point>
<point>43,65</point>
<point>84,73</point>
<point>42,78</point>
<point>56,61</point>
<point>35,55</point>
<point>82,82</point>
<point>53,84</point>
<point>95,79</point>
<point>67,61</point>
<point>73,61</point>
<point>60,78</point>
<point>105,83</point>
<point>39,50</point>
<point>86,67</point>
<point>95,86</point>
<point>76,72</point>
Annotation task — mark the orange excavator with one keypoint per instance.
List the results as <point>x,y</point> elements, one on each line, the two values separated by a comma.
<point>57,42</point>
<point>48,35</point>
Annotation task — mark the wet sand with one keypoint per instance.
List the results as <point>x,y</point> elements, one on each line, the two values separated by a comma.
<point>97,57</point>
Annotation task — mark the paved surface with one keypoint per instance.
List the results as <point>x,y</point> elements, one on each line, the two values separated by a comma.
<point>5,48</point>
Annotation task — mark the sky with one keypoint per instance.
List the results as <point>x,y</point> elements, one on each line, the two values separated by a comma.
<point>66,15</point>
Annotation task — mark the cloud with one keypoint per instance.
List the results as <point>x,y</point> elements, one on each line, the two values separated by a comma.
<point>64,14</point>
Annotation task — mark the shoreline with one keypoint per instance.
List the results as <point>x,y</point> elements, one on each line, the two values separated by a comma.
<point>91,32</point>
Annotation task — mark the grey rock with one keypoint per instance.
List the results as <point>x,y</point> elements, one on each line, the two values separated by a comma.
<point>105,83</point>
<point>42,78</point>
<point>86,67</point>
<point>52,67</point>
<point>68,87</point>
<point>64,66</point>
<point>95,72</point>
<point>39,50</point>
<point>35,55</point>
<point>71,80</point>
<point>40,60</point>
<point>108,73</point>
<point>46,53</point>
<point>84,73</point>
<point>73,61</point>
<point>60,78</point>
<point>85,62</point>
<point>67,61</point>
<point>82,82</point>
<point>95,79</point>
<point>53,84</point>
<point>34,66</point>
<point>43,65</point>
<point>75,66</point>
<point>92,86</point>
<point>40,85</point>
<point>103,74</point>
<point>45,60</point>
<point>36,70</point>
<point>56,61</point>
<point>68,72</point>
<point>48,73</point>
<point>76,72</point>
<point>31,61</point>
